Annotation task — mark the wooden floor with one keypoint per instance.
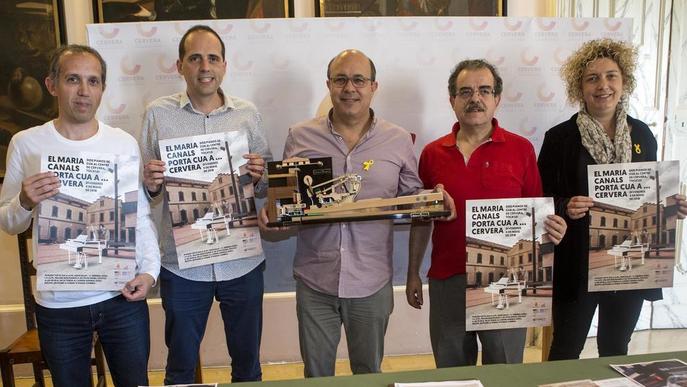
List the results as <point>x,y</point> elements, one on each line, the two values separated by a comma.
<point>642,342</point>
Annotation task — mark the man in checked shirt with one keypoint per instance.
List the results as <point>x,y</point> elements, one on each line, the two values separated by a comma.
<point>343,270</point>
<point>187,294</point>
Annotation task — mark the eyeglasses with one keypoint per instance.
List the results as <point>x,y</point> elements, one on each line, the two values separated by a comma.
<point>467,93</point>
<point>357,81</point>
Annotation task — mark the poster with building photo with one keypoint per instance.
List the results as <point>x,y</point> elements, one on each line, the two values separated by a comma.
<point>211,198</point>
<point>509,263</point>
<point>87,232</point>
<point>632,230</point>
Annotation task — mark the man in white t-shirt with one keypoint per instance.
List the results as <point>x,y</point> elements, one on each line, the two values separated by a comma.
<point>67,319</point>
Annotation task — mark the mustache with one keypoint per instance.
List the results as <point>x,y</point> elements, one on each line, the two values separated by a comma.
<point>474,106</point>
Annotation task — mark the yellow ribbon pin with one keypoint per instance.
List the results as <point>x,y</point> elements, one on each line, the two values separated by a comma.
<point>367,164</point>
<point>638,150</point>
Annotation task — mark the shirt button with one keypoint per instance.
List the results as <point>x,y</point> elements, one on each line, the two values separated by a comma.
<point>343,249</point>
<point>343,225</point>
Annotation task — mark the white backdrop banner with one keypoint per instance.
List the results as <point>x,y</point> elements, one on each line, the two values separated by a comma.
<point>280,65</point>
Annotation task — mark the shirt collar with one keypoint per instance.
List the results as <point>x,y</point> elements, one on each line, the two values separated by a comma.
<point>330,124</point>
<point>184,101</point>
<point>497,135</point>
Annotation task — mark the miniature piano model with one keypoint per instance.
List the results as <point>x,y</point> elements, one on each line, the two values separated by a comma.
<point>625,251</point>
<point>501,287</point>
<point>207,223</point>
<point>303,191</point>
<point>77,246</point>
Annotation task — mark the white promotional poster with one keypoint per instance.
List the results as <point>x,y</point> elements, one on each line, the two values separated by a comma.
<point>87,232</point>
<point>211,198</point>
<point>633,225</point>
<point>509,263</point>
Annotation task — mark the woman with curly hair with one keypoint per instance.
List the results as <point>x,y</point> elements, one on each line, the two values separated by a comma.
<point>599,77</point>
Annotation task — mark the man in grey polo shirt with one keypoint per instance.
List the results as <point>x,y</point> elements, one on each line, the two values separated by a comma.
<point>343,270</point>
<point>187,295</point>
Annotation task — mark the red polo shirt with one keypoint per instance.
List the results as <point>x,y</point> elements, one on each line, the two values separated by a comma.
<point>503,167</point>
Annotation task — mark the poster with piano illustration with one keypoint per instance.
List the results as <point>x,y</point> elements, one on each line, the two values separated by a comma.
<point>509,263</point>
<point>632,226</point>
<point>87,232</point>
<point>211,198</point>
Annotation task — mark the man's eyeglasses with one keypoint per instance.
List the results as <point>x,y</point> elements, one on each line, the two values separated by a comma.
<point>357,81</point>
<point>467,93</point>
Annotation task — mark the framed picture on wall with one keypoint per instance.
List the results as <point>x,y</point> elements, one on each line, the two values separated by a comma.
<point>342,8</point>
<point>30,30</point>
<point>111,11</point>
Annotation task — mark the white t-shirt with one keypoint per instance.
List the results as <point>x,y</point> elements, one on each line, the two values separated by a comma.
<point>24,160</point>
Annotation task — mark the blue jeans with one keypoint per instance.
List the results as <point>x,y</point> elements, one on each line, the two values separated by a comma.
<point>187,306</point>
<point>66,337</point>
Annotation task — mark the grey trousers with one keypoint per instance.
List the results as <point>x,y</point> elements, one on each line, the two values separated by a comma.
<point>451,345</point>
<point>319,329</point>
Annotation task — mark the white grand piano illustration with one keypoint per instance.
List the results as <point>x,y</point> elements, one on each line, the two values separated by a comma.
<point>501,288</point>
<point>77,245</point>
<point>625,252</point>
<point>207,223</point>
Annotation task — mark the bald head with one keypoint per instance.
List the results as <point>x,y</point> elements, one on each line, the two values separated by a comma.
<point>351,52</point>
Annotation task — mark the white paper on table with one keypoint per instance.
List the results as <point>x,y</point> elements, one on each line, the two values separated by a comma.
<point>450,383</point>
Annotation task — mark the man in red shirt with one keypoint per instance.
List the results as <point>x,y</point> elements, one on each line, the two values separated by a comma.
<point>477,160</point>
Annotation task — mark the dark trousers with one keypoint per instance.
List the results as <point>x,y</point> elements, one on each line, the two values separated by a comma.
<point>187,306</point>
<point>618,315</point>
<point>66,337</point>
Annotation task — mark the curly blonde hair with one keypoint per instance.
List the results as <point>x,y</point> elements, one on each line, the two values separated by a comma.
<point>623,54</point>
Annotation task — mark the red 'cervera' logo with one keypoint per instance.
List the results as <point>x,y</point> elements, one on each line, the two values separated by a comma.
<point>525,129</point>
<point>560,55</point>
<point>145,33</point>
<point>526,59</point>
<point>579,25</point>
<point>115,110</point>
<point>223,28</point>
<point>259,27</point>
<point>334,26</point>
<point>129,70</point>
<point>545,25</point>
<point>181,27</point>
<point>108,34</point>
<point>239,64</point>
<point>512,96</point>
<point>296,26</point>
<point>612,25</point>
<point>406,25</point>
<point>478,26</point>
<point>370,24</point>
<point>510,26</point>
<point>494,58</point>
<point>163,65</point>
<point>442,25</point>
<point>543,94</point>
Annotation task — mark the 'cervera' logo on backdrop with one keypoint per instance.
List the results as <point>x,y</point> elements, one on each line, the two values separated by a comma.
<point>424,57</point>
<point>108,34</point>
<point>494,58</point>
<point>442,25</point>
<point>297,26</point>
<point>512,26</point>
<point>115,109</point>
<point>528,59</point>
<point>146,33</point>
<point>167,69</point>
<point>259,27</point>
<point>476,25</point>
<point>578,25</point>
<point>181,27</point>
<point>525,129</point>
<point>544,94</point>
<point>545,25</point>
<point>334,26</point>
<point>371,25</point>
<point>127,69</point>
<point>512,95</point>
<point>406,25</point>
<point>560,55</point>
<point>239,63</point>
<point>612,25</point>
<point>222,28</point>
